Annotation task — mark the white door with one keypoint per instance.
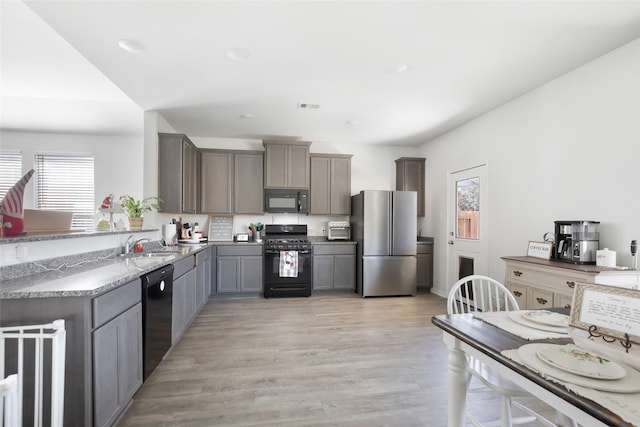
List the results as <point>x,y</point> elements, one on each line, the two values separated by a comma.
<point>467,219</point>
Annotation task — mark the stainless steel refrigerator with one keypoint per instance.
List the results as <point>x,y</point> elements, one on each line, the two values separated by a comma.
<point>384,225</point>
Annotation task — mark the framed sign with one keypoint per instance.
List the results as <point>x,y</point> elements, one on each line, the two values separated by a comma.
<point>221,228</point>
<point>607,310</point>
<point>539,249</point>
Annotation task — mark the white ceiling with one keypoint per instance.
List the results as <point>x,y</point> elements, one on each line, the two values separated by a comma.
<point>462,59</point>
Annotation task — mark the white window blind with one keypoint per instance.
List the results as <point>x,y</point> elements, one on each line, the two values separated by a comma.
<point>10,170</point>
<point>65,182</point>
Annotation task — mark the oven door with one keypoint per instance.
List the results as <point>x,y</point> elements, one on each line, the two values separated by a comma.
<point>272,268</point>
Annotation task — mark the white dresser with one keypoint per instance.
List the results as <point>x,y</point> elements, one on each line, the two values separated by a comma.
<point>539,283</point>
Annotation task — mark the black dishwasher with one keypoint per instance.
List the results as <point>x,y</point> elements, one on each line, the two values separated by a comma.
<point>157,290</point>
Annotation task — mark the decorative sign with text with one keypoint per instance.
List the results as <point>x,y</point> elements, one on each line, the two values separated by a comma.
<point>539,249</point>
<point>220,228</point>
<point>612,311</point>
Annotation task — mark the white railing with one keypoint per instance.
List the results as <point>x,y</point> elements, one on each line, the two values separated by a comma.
<point>30,340</point>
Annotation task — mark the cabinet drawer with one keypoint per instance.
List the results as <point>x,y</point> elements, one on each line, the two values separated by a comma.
<point>112,304</point>
<point>560,282</point>
<point>343,249</point>
<point>519,291</point>
<point>183,265</point>
<point>239,250</point>
<point>202,256</point>
<point>540,298</point>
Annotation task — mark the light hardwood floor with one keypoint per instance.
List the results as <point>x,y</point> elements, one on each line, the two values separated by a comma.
<point>327,360</point>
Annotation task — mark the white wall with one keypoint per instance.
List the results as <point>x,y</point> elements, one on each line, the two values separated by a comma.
<point>118,159</point>
<point>569,150</point>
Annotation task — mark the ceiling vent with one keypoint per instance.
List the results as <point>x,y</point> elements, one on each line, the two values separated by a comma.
<point>306,106</point>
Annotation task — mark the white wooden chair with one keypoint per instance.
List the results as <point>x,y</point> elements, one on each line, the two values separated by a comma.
<point>9,400</point>
<point>480,293</point>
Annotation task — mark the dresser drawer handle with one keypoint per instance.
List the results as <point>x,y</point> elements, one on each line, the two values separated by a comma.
<point>567,306</point>
<point>517,293</point>
<point>541,301</point>
<point>517,273</point>
<point>571,284</point>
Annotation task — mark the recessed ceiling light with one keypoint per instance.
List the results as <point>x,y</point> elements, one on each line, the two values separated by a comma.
<point>401,68</point>
<point>247,116</point>
<point>132,46</point>
<point>352,122</point>
<point>238,53</point>
<point>308,106</point>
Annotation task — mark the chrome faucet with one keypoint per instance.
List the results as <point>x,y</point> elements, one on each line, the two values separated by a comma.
<point>129,246</point>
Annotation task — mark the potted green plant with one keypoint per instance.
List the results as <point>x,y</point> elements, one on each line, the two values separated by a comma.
<point>135,209</point>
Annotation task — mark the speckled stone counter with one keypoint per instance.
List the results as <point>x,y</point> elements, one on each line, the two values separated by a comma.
<point>91,278</point>
<point>323,240</point>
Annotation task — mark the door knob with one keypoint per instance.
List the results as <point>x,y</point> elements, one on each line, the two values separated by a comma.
<point>450,242</point>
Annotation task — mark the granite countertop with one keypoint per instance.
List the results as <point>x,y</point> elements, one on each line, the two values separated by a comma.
<point>91,278</point>
<point>323,240</point>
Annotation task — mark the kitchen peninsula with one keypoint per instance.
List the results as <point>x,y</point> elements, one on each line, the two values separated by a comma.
<point>98,294</point>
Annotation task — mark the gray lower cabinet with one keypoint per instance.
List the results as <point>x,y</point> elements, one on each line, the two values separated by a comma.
<point>184,297</point>
<point>239,268</point>
<point>334,266</point>
<point>117,364</point>
<point>425,266</point>
<point>203,277</point>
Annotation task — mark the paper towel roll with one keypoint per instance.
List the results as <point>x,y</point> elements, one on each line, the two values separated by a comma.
<point>169,234</point>
<point>605,258</point>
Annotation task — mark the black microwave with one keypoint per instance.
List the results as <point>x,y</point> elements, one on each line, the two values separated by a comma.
<point>282,200</point>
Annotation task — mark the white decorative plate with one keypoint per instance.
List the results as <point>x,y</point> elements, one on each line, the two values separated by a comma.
<point>629,384</point>
<point>581,362</point>
<point>613,350</point>
<point>547,317</point>
<point>517,317</point>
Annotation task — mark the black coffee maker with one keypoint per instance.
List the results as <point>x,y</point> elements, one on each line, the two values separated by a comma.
<point>576,241</point>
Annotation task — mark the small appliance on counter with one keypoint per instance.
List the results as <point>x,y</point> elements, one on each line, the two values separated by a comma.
<point>338,230</point>
<point>576,241</point>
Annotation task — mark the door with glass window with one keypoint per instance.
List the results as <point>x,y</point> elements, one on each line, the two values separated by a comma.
<point>467,219</point>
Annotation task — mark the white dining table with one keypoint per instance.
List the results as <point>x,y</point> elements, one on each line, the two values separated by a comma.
<point>464,334</point>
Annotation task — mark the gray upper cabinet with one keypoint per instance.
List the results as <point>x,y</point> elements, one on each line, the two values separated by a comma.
<point>177,172</point>
<point>330,184</point>
<point>231,182</point>
<point>248,188</point>
<point>286,164</point>
<point>410,177</point>
<point>216,182</point>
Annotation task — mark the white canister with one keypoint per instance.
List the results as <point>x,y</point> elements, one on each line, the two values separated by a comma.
<point>169,234</point>
<point>605,258</point>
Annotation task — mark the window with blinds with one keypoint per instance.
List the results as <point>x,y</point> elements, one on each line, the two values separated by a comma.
<point>10,169</point>
<point>65,182</point>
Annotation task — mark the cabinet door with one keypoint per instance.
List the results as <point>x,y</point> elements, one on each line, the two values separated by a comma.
<point>298,166</point>
<point>562,300</point>
<point>340,186</point>
<point>251,273</point>
<point>540,298</point>
<point>190,298</point>
<point>323,267</point>
<point>320,186</point>
<point>189,177</point>
<point>177,308</point>
<point>117,364</point>
<point>344,273</point>
<point>170,172</point>
<point>275,160</point>
<point>248,188</point>
<point>216,182</point>
<point>410,174</point>
<point>227,278</point>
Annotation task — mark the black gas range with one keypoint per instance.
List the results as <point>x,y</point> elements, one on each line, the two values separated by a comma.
<point>287,261</point>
